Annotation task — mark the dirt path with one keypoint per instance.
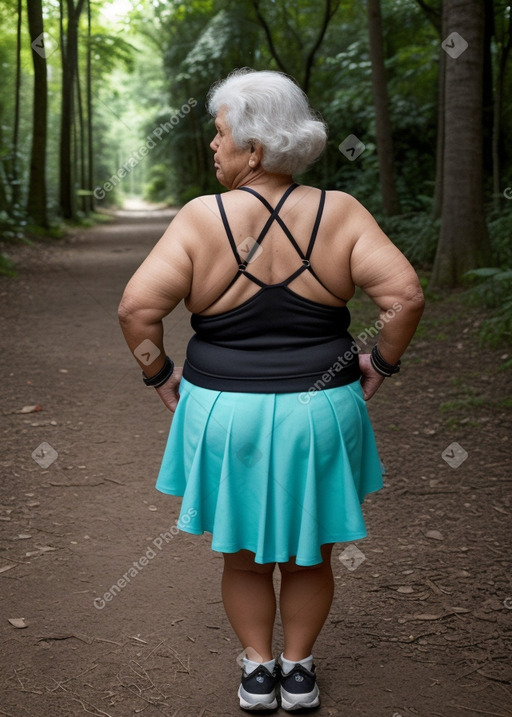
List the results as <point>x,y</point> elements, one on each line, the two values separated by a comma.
<point>420,627</point>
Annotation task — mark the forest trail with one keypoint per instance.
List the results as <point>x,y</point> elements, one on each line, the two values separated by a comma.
<point>420,624</point>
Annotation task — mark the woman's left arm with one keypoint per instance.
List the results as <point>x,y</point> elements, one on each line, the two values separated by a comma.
<point>158,285</point>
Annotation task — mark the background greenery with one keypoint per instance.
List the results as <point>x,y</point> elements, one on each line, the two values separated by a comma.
<point>144,61</point>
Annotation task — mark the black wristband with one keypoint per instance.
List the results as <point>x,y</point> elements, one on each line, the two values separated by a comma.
<point>381,366</point>
<point>162,376</point>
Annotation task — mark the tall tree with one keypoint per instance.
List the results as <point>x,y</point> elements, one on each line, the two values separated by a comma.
<point>504,47</point>
<point>36,202</point>
<point>15,179</point>
<point>434,15</point>
<point>390,199</point>
<point>88,89</point>
<point>69,50</point>
<point>463,242</point>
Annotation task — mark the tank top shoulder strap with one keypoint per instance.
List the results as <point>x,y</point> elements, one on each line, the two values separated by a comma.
<point>227,228</point>
<point>316,226</point>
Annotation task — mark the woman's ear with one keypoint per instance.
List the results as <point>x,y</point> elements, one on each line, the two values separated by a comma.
<point>256,153</point>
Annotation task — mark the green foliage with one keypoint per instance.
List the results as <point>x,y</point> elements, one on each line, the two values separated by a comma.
<point>7,267</point>
<point>493,289</point>
<point>157,188</point>
<point>500,232</point>
<point>13,225</point>
<point>149,64</point>
<point>415,234</point>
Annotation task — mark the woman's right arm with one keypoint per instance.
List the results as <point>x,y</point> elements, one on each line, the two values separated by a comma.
<point>380,269</point>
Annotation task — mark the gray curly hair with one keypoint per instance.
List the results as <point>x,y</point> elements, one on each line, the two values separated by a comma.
<point>268,108</point>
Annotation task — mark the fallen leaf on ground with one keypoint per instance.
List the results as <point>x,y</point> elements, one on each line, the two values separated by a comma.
<point>42,549</point>
<point>30,409</point>
<point>18,622</point>
<point>427,616</point>
<point>434,534</point>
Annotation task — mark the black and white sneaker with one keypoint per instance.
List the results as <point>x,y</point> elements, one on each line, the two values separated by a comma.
<point>257,690</point>
<point>299,689</point>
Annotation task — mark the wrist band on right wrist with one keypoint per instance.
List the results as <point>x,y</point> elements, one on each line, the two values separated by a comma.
<point>162,376</point>
<point>381,366</point>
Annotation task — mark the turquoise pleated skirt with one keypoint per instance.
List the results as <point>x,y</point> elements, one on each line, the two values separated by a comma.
<point>276,474</point>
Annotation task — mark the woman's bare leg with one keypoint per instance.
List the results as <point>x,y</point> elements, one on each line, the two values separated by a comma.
<point>250,602</point>
<point>305,601</point>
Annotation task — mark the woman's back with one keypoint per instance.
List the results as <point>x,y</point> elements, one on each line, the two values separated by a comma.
<point>276,259</point>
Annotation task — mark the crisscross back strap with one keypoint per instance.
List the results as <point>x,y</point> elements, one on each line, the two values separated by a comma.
<point>274,216</point>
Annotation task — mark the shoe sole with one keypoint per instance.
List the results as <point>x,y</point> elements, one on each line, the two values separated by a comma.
<point>257,706</point>
<point>301,705</point>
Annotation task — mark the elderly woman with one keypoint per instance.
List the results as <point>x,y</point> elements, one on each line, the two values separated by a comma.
<point>270,444</point>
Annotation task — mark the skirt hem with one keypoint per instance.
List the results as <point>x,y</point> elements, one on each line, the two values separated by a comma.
<point>345,538</point>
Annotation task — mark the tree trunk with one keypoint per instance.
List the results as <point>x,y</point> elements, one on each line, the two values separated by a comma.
<point>488,87</point>
<point>67,192</point>
<point>434,16</point>
<point>437,204</point>
<point>463,242</point>
<point>15,180</point>
<point>390,200</point>
<point>4,182</point>
<point>36,203</point>
<point>80,141</point>
<point>504,47</point>
<point>90,152</point>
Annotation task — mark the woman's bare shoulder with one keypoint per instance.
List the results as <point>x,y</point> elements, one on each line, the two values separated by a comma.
<point>346,216</point>
<point>344,201</point>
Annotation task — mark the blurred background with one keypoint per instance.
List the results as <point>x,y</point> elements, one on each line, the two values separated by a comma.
<point>103,104</point>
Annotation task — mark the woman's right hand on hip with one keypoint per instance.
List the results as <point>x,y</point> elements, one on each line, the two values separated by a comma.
<point>169,392</point>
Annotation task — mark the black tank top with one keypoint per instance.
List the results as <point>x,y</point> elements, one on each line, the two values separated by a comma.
<point>277,341</point>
